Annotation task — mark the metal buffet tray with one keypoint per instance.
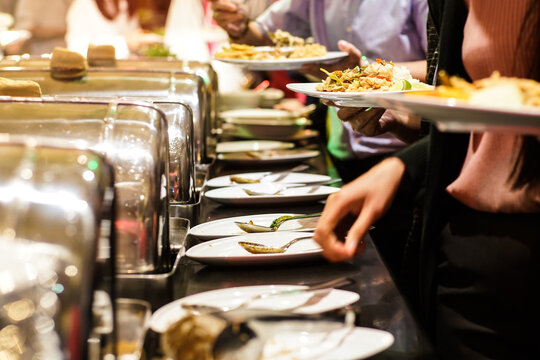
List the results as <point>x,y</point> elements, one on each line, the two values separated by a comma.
<point>202,69</point>
<point>206,119</point>
<point>133,139</point>
<point>56,249</point>
<point>162,88</point>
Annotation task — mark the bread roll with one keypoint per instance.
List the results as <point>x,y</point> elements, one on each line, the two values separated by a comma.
<point>67,65</point>
<point>24,88</point>
<point>101,55</point>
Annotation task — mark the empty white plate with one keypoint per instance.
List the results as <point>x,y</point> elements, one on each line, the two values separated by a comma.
<point>256,114</point>
<point>251,145</point>
<point>268,157</point>
<point>236,195</point>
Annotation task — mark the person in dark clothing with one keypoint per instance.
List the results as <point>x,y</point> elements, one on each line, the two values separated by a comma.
<point>473,271</point>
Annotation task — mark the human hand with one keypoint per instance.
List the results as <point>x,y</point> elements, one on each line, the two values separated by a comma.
<point>353,59</point>
<point>367,121</point>
<point>231,16</point>
<point>366,198</point>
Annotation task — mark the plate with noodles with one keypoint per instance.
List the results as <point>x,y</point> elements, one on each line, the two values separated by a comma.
<point>501,104</point>
<point>268,58</point>
<point>359,86</point>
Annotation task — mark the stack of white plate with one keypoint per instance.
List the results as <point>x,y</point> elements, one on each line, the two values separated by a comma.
<point>264,124</point>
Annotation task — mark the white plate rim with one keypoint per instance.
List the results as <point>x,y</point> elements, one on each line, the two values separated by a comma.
<point>196,230</point>
<point>285,64</point>
<point>157,326</point>
<point>253,259</point>
<point>269,199</point>
<point>268,145</point>
<point>354,351</point>
<point>308,154</point>
<point>256,113</point>
<point>351,99</point>
<point>456,104</point>
<point>317,178</point>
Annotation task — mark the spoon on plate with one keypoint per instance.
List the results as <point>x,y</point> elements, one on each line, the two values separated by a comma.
<point>311,190</point>
<point>282,175</point>
<point>254,228</point>
<point>256,248</point>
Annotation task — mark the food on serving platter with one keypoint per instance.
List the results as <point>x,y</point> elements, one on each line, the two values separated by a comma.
<point>243,180</point>
<point>308,51</point>
<point>101,55</point>
<point>495,90</point>
<point>67,65</point>
<point>284,38</point>
<point>25,88</point>
<point>192,337</point>
<point>277,222</point>
<point>286,47</point>
<point>380,75</point>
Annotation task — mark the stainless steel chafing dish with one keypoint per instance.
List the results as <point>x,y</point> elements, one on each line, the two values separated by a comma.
<point>55,223</point>
<point>157,84</point>
<point>202,69</point>
<point>134,140</point>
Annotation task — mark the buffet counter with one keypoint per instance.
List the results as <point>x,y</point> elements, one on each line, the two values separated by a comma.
<point>381,305</point>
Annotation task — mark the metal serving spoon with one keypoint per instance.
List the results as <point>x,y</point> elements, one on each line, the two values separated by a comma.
<point>311,190</point>
<point>254,228</point>
<point>256,248</point>
<point>282,175</point>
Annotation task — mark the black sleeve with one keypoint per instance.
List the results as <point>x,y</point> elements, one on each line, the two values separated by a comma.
<point>415,158</point>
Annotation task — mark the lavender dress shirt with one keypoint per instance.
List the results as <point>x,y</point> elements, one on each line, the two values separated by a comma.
<point>387,29</point>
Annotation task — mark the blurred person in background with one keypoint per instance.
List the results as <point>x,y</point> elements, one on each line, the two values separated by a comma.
<point>392,30</point>
<point>46,23</point>
<point>128,25</point>
<point>7,6</point>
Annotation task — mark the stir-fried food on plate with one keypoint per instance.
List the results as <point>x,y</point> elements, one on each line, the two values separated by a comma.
<point>284,38</point>
<point>380,75</point>
<point>494,90</point>
<point>286,46</point>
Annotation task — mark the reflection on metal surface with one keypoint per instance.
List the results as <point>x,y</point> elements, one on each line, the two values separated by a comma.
<point>148,85</point>
<point>131,138</point>
<point>50,215</point>
<point>201,69</point>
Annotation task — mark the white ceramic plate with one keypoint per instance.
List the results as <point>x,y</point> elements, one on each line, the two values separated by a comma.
<point>454,115</point>
<point>251,145</point>
<point>351,99</point>
<point>226,227</point>
<point>343,344</point>
<point>301,134</point>
<point>227,251</point>
<point>235,195</point>
<point>290,178</point>
<point>269,157</point>
<point>286,64</point>
<point>168,314</point>
<point>256,114</point>
<point>267,129</point>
